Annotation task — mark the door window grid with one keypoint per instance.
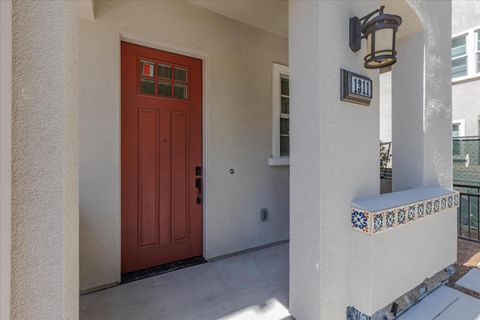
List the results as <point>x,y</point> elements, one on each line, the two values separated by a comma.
<point>163,80</point>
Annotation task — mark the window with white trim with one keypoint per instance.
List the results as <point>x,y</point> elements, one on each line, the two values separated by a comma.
<point>281,115</point>
<point>458,128</point>
<point>466,55</point>
<point>459,56</point>
<point>477,49</point>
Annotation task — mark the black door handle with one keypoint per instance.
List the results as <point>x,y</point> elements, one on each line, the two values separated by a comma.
<point>198,185</point>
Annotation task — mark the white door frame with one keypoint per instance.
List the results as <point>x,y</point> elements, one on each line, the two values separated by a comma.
<point>5,155</point>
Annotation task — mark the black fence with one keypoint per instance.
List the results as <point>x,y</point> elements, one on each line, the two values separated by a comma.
<point>386,160</point>
<point>468,212</point>
<point>466,161</point>
<point>466,180</point>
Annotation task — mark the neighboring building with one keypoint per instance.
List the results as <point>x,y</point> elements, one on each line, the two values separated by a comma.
<point>138,133</point>
<point>465,74</point>
<point>465,68</point>
<point>466,91</point>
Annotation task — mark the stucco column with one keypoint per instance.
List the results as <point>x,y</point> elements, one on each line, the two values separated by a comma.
<point>407,113</point>
<point>45,168</point>
<point>334,156</point>
<point>438,93</point>
<point>421,102</point>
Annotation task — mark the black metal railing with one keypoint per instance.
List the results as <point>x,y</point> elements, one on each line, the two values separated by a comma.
<point>386,160</point>
<point>468,212</point>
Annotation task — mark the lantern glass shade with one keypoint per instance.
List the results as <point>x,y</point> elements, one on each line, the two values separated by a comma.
<point>383,39</point>
<point>380,34</point>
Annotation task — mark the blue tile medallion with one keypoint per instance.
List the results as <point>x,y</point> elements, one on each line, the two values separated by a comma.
<point>360,220</point>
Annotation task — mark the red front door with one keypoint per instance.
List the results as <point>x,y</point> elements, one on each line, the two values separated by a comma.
<point>161,157</point>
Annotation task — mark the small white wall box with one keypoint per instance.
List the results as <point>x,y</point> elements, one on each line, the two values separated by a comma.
<point>355,88</point>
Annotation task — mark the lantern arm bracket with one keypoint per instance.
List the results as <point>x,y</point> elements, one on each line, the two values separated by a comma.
<point>368,16</point>
<point>356,27</point>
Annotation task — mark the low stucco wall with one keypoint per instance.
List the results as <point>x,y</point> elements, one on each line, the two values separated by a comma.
<point>237,126</point>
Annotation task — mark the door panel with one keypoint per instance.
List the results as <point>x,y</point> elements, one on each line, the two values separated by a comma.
<point>180,181</point>
<point>161,146</point>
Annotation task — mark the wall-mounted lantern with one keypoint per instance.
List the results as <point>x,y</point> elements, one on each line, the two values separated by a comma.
<point>380,33</point>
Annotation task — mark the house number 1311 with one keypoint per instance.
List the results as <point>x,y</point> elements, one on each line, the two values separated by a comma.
<point>361,86</point>
<point>355,88</point>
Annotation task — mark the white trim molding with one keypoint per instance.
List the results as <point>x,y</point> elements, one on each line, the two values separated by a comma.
<point>278,70</point>
<point>5,155</point>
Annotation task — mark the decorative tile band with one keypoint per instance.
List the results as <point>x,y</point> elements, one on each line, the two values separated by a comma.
<point>372,223</point>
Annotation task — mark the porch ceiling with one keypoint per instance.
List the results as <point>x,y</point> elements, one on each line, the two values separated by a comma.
<point>268,15</point>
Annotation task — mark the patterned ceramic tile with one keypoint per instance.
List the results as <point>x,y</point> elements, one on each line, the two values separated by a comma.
<point>390,219</point>
<point>402,216</point>
<point>378,222</point>
<point>429,208</point>
<point>421,210</point>
<point>360,220</point>
<point>411,213</point>
<point>443,203</point>
<point>436,205</point>
<point>375,222</point>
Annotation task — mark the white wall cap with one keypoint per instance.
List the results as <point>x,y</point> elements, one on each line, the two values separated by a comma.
<point>399,198</point>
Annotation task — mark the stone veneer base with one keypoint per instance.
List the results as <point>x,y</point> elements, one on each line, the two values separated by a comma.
<point>406,301</point>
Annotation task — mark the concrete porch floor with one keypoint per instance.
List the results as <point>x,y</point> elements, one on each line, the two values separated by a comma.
<point>249,286</point>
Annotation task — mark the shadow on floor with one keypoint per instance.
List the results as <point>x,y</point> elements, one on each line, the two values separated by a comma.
<point>249,286</point>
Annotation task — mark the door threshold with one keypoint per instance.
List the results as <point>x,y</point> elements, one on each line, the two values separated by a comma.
<point>158,270</point>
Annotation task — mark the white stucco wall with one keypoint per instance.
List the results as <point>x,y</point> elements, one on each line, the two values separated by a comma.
<point>237,125</point>
<point>407,113</point>
<point>334,160</point>
<point>466,105</point>
<point>465,15</point>
<point>5,155</point>
<point>385,96</point>
<point>45,161</point>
